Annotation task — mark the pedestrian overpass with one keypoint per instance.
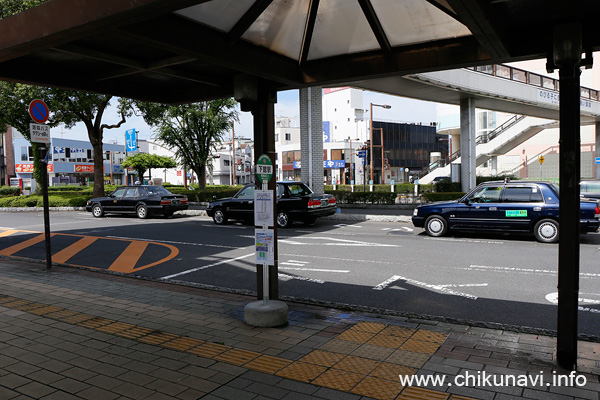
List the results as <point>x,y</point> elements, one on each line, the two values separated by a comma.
<point>533,98</point>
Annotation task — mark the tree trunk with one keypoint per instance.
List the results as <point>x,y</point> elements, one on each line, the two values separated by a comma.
<point>201,177</point>
<point>96,141</point>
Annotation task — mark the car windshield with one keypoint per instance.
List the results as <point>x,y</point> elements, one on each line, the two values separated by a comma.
<point>486,194</point>
<point>152,190</point>
<point>299,189</point>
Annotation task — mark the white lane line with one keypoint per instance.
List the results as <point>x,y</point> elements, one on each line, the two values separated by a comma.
<point>292,264</point>
<point>189,271</point>
<point>436,288</point>
<point>337,242</point>
<point>285,277</point>
<point>298,261</point>
<point>350,226</point>
<point>174,242</point>
<point>386,229</point>
<point>465,240</point>
<point>529,271</point>
<point>342,271</point>
<point>466,285</point>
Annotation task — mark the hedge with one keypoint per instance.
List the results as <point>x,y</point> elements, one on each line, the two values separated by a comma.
<point>443,196</point>
<point>9,191</point>
<point>38,201</point>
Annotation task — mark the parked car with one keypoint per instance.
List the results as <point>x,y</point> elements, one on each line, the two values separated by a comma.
<point>505,207</point>
<point>140,200</point>
<point>440,179</point>
<point>295,202</point>
<point>590,189</point>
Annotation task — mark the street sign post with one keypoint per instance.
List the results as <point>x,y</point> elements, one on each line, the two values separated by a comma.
<point>39,133</point>
<point>264,168</point>
<point>38,110</point>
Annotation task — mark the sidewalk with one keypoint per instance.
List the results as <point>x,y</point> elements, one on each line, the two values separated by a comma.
<point>78,334</point>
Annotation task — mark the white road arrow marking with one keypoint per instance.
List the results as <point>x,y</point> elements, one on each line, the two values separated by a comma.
<point>437,288</point>
<point>553,298</point>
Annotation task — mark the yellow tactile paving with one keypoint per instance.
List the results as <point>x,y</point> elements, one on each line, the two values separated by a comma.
<point>338,379</point>
<point>183,343</point>
<point>371,370</point>
<point>237,356</point>
<point>430,336</point>
<point>392,371</point>
<point>157,338</point>
<point>357,364</point>
<point>420,346</point>
<point>378,388</point>
<point>399,331</point>
<point>324,358</point>
<point>413,393</point>
<point>392,342</point>
<point>372,327</point>
<point>300,371</point>
<point>209,350</point>
<point>268,364</point>
<point>356,336</point>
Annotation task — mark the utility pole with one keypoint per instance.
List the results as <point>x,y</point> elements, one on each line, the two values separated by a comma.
<point>233,150</point>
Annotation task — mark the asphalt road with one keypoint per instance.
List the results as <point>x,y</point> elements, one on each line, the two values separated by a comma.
<point>487,278</point>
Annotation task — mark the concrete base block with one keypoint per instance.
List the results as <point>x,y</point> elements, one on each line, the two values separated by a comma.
<point>266,314</point>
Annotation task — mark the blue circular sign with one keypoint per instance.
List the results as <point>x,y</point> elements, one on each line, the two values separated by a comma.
<point>39,111</point>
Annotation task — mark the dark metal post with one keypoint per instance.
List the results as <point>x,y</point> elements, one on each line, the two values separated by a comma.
<point>45,149</point>
<point>567,57</point>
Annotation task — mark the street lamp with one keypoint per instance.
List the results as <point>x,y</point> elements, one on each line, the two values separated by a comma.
<point>386,106</point>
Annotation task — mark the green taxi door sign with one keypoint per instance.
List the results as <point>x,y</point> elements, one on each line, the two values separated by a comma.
<point>264,168</point>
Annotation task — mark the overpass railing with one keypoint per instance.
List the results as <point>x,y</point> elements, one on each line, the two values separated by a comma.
<point>530,78</point>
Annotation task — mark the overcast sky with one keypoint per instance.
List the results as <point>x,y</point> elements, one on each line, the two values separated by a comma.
<point>403,110</point>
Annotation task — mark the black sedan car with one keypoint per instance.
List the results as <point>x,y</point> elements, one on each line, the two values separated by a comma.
<point>140,200</point>
<point>295,202</point>
<point>517,206</point>
<point>590,189</point>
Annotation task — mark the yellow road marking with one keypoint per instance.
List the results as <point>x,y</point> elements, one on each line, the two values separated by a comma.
<point>8,232</point>
<point>63,255</point>
<point>23,245</point>
<point>128,258</point>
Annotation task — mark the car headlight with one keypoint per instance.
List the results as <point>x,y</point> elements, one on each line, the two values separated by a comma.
<point>415,212</point>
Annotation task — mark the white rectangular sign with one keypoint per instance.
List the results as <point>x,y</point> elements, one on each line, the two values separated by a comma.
<point>265,246</point>
<point>263,208</point>
<point>39,133</point>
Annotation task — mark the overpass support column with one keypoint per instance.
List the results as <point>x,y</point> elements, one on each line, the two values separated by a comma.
<point>311,137</point>
<point>467,144</point>
<point>567,57</point>
<point>597,154</point>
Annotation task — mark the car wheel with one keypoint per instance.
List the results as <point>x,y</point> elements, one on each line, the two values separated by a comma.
<point>546,231</point>
<point>97,211</point>
<point>142,211</point>
<point>219,217</point>
<point>283,219</point>
<point>436,226</point>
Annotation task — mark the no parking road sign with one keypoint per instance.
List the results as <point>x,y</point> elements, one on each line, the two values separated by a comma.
<point>39,111</point>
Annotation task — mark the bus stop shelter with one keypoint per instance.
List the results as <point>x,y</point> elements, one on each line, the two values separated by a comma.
<point>180,51</point>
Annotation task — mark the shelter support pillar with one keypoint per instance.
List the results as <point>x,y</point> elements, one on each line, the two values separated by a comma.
<point>597,153</point>
<point>311,137</point>
<point>567,57</point>
<point>468,144</point>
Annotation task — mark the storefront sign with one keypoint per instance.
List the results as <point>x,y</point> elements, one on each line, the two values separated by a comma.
<point>84,168</point>
<point>28,168</point>
<point>334,164</point>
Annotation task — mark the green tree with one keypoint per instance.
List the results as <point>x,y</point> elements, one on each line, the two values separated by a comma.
<point>10,7</point>
<point>66,107</point>
<point>143,162</point>
<point>191,131</point>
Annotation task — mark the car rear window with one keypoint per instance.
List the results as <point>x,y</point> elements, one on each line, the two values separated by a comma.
<point>152,190</point>
<point>590,187</point>
<point>525,194</point>
<point>298,189</point>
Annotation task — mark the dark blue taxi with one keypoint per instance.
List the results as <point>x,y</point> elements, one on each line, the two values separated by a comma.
<point>515,206</point>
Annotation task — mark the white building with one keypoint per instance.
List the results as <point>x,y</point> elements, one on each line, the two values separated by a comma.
<point>173,176</point>
<point>225,165</point>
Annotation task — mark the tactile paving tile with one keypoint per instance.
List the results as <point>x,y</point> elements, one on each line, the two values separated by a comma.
<point>18,304</point>
<point>268,364</point>
<point>413,393</point>
<point>324,358</point>
<point>408,358</point>
<point>95,323</point>
<point>182,343</point>
<point>157,337</point>
<point>392,371</point>
<point>7,299</point>
<point>430,336</point>
<point>358,365</point>
<point>60,315</point>
<point>115,327</point>
<point>378,388</point>
<point>45,310</point>
<point>135,332</point>
<point>340,346</point>
<point>237,356</point>
<point>337,379</point>
<point>355,336</point>
<point>77,318</point>
<point>393,342</point>
<point>420,346</point>
<point>373,352</point>
<point>372,327</point>
<point>209,350</point>
<point>399,331</point>
<point>300,371</point>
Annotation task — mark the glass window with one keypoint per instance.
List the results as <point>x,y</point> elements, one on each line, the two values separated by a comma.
<point>152,190</point>
<point>590,187</point>
<point>131,192</point>
<point>522,195</point>
<point>519,75</point>
<point>503,71</point>
<point>486,194</point>
<point>535,79</point>
<point>246,193</point>
<point>288,136</point>
<point>119,192</point>
<point>299,189</point>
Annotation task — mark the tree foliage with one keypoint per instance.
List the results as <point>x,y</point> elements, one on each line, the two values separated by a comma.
<point>143,162</point>
<point>192,131</point>
<point>10,7</point>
